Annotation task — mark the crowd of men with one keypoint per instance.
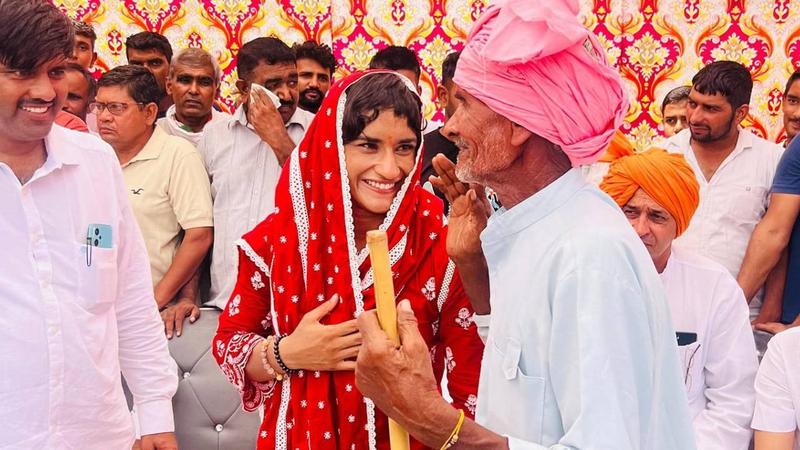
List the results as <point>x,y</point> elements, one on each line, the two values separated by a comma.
<point>716,206</point>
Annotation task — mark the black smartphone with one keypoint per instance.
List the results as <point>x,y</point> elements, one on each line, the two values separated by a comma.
<point>685,338</point>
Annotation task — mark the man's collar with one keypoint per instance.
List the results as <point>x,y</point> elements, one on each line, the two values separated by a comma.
<point>61,146</point>
<point>298,118</point>
<point>152,149</point>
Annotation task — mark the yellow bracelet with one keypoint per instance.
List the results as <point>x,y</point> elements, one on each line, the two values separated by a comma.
<point>451,441</point>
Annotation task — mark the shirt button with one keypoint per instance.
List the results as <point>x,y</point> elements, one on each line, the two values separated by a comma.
<point>218,428</point>
<point>186,375</point>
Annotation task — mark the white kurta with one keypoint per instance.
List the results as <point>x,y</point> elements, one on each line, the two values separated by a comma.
<point>580,353</point>
<point>778,386</point>
<point>720,367</point>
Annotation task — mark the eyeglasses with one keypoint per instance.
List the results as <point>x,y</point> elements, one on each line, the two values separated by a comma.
<point>115,108</point>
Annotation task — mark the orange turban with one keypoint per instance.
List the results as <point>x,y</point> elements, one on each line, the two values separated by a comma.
<point>665,177</point>
<point>620,146</point>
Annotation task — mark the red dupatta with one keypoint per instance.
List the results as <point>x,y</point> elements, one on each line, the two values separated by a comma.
<point>308,244</point>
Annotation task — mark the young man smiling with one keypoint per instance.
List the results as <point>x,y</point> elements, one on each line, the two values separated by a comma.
<point>77,298</point>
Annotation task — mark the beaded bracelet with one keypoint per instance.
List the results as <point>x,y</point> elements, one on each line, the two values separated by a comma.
<point>277,353</point>
<point>265,360</point>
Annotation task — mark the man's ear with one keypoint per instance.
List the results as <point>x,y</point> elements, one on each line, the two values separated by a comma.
<point>150,113</point>
<point>441,97</point>
<point>519,134</point>
<point>243,87</point>
<point>741,113</point>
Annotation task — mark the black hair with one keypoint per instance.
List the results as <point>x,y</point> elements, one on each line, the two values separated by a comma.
<point>320,53</point>
<point>148,40</point>
<point>449,66</point>
<point>140,82</point>
<point>676,95</point>
<point>270,50</point>
<point>395,57</point>
<point>33,32</point>
<point>90,81</point>
<point>728,78</point>
<point>794,77</point>
<point>86,30</point>
<point>373,94</point>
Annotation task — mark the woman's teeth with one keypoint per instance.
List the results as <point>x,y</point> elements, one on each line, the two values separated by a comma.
<point>377,185</point>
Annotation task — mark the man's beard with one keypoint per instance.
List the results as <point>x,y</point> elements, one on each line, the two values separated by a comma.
<point>308,104</point>
<point>710,137</point>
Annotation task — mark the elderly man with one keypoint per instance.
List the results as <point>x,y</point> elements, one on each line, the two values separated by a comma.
<point>77,298</point>
<point>658,193</point>
<point>580,351</point>
<point>193,83</point>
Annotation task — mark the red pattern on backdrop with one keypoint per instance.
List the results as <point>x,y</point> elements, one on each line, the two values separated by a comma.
<point>656,44</point>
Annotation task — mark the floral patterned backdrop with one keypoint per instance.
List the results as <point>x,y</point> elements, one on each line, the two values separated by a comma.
<point>656,44</point>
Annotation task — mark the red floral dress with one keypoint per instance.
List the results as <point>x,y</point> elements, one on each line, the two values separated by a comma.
<point>303,254</point>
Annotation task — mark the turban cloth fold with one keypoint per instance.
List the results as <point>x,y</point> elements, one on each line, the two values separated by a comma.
<point>619,147</point>
<point>666,177</point>
<point>533,62</point>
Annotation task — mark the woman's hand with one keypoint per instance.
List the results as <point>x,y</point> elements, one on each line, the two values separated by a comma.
<point>314,346</point>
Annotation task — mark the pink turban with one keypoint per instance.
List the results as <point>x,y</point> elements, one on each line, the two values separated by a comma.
<point>534,63</point>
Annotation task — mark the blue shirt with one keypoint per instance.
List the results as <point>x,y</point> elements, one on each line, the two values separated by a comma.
<point>581,353</point>
<point>787,181</point>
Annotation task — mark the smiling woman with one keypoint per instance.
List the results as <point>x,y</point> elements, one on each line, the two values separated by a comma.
<point>303,274</point>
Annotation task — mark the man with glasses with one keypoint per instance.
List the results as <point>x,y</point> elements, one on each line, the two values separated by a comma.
<point>167,184</point>
<point>658,193</point>
<point>244,153</point>
<point>77,300</point>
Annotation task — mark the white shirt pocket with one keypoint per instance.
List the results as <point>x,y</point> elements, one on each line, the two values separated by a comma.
<point>522,396</point>
<point>97,278</point>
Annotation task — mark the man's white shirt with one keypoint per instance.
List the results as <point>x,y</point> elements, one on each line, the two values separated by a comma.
<point>719,368</point>
<point>732,202</point>
<point>778,386</point>
<point>244,172</point>
<point>74,315</point>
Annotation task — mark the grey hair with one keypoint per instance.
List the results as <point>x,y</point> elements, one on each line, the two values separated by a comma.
<point>195,57</point>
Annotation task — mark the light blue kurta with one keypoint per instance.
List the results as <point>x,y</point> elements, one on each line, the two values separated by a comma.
<point>580,353</point>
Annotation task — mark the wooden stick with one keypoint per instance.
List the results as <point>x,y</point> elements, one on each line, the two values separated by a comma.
<point>378,246</point>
